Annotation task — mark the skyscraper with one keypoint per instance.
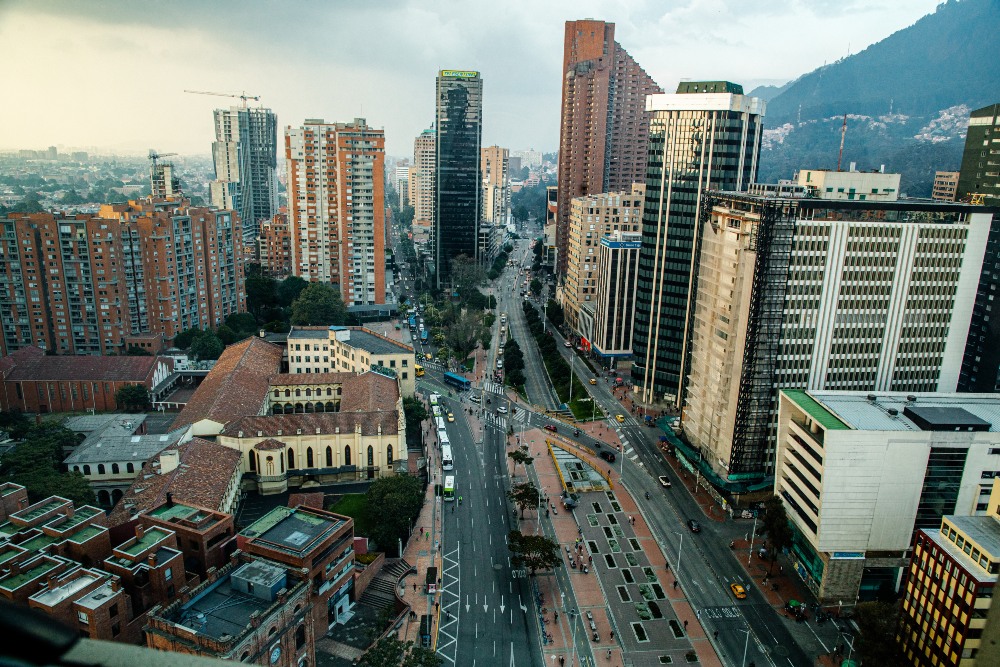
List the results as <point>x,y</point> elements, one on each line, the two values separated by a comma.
<point>422,179</point>
<point>981,158</point>
<point>336,207</point>
<point>458,191</point>
<point>603,123</point>
<point>245,156</point>
<point>496,185</point>
<point>707,135</point>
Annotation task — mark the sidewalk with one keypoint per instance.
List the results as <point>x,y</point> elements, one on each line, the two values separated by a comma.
<point>586,587</point>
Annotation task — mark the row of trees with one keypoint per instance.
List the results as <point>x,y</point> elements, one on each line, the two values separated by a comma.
<point>559,371</point>
<point>513,364</point>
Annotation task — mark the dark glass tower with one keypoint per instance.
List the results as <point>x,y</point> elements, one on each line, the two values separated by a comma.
<point>459,123</point>
<point>705,136</point>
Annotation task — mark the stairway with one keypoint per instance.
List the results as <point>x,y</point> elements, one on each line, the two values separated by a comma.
<point>381,592</point>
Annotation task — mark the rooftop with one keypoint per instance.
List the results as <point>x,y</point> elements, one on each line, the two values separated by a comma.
<point>280,426</point>
<point>983,530</point>
<point>826,418</point>
<point>201,478</point>
<point>112,444</point>
<point>96,422</point>
<point>90,368</point>
<point>180,513</point>
<point>53,596</point>
<point>894,411</point>
<point>295,530</point>
<point>97,597</point>
<point>309,378</point>
<point>237,384</point>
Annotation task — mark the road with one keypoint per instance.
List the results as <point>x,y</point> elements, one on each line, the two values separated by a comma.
<point>487,611</point>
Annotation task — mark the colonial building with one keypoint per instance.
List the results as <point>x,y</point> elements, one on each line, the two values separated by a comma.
<point>350,349</point>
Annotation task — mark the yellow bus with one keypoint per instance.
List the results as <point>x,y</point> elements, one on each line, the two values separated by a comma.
<point>419,370</point>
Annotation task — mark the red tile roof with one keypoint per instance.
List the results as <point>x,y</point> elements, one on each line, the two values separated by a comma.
<point>30,363</point>
<point>309,378</point>
<point>276,426</point>
<point>369,391</point>
<point>270,443</point>
<point>201,478</point>
<point>237,384</point>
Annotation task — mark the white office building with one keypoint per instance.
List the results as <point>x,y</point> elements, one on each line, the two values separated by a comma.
<point>859,472</point>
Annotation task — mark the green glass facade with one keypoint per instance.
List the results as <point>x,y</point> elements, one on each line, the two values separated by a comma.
<point>458,187</point>
<point>709,142</point>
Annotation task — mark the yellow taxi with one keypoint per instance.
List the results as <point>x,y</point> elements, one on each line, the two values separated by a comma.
<point>593,380</point>
<point>738,591</point>
<point>620,418</point>
<point>451,417</point>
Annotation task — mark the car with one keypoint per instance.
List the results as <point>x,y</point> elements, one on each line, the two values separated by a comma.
<point>568,343</point>
<point>476,398</point>
<point>550,427</point>
<point>608,456</point>
<point>502,409</point>
<point>664,482</point>
<point>451,417</point>
<point>499,363</point>
<point>500,351</point>
<point>593,380</point>
<point>738,591</point>
<point>694,526</point>
<point>620,419</point>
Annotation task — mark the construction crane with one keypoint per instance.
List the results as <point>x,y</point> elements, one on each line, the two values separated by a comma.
<point>244,97</point>
<point>154,156</point>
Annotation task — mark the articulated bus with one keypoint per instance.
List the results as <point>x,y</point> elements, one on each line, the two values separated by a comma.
<point>447,463</point>
<point>449,488</point>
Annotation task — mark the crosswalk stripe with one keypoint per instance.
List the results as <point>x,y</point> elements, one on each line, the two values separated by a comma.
<point>493,387</point>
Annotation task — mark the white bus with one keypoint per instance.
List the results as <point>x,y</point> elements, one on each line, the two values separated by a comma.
<point>440,423</point>
<point>449,488</point>
<point>447,463</point>
<point>434,398</point>
<point>443,437</point>
<point>436,409</point>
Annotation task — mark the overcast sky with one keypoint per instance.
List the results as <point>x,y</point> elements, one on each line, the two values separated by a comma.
<point>111,73</point>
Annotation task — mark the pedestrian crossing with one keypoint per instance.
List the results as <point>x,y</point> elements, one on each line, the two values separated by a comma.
<point>496,420</point>
<point>493,387</point>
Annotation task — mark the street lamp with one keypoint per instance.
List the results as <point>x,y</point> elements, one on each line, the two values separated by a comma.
<point>746,645</point>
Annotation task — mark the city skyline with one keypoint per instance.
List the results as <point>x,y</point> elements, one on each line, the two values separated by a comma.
<point>516,47</point>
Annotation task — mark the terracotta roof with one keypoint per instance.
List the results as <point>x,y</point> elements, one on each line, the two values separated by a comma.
<point>201,478</point>
<point>19,356</point>
<point>237,384</point>
<point>310,378</point>
<point>313,500</point>
<point>369,391</point>
<point>270,443</point>
<point>33,364</point>
<point>327,423</point>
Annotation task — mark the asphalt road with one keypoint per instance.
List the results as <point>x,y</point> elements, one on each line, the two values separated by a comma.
<point>488,613</point>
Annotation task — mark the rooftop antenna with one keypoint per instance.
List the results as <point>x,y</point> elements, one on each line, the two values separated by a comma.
<point>843,132</point>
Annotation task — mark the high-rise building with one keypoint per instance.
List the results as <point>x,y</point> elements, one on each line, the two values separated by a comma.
<point>603,122</point>
<point>274,246</point>
<point>980,171</point>
<point>948,607</point>
<point>617,277</point>
<point>860,472</point>
<point>706,135</point>
<point>245,154</point>
<point>592,218</point>
<point>336,207</point>
<point>401,181</point>
<point>945,185</point>
<point>147,266</point>
<point>551,219</point>
<point>496,184</point>
<point>163,182</point>
<point>423,179</point>
<point>821,294</point>
<point>981,366</point>
<point>458,191</point>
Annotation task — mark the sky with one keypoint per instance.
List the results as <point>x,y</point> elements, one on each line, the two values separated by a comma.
<point>111,74</point>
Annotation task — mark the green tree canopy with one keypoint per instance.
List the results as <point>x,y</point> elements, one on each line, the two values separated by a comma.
<point>536,552</point>
<point>391,652</point>
<point>319,304</point>
<point>133,397</point>
<point>136,351</point>
<point>289,290</point>
<point>393,505</point>
<point>776,527</point>
<point>36,464</point>
<point>184,339</point>
<point>227,335</point>
<point>525,496</point>
<point>242,323</point>
<point>876,641</point>
<point>207,346</point>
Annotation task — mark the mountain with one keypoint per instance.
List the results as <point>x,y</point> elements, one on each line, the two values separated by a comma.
<point>768,93</point>
<point>907,100</point>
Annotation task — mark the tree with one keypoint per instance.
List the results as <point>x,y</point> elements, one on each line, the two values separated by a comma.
<point>133,397</point>
<point>525,496</point>
<point>391,652</point>
<point>262,292</point>
<point>536,552</point>
<point>206,346</point>
<point>71,196</point>
<point>466,274</point>
<point>136,351</point>
<point>464,333</point>
<point>515,378</point>
<point>319,304</point>
<point>36,464</point>
<point>520,456</point>
<point>289,290</point>
<point>776,527</point>
<point>393,504</point>
<point>555,313</point>
<point>184,339</point>
<point>535,286</point>
<point>227,335</point>
<point>416,413</point>
<point>876,641</point>
<point>242,323</point>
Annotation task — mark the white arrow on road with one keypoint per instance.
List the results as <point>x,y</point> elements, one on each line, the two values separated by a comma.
<point>485,607</point>
<point>466,603</point>
<point>501,604</point>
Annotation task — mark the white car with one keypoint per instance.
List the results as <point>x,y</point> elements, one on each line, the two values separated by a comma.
<point>499,363</point>
<point>502,409</point>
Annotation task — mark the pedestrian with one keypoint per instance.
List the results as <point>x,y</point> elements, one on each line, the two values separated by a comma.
<point>685,624</point>
<point>675,584</point>
<point>715,635</point>
<point>414,587</point>
<point>609,654</point>
<point>612,635</point>
<point>697,614</point>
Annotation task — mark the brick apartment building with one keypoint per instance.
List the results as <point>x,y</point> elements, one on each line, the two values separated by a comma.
<point>83,284</point>
<point>274,247</point>
<point>336,207</point>
<point>31,381</point>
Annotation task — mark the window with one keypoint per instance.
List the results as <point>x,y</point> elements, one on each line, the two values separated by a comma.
<point>300,636</point>
<point>309,457</point>
<point>347,455</point>
<point>100,468</point>
<point>129,467</point>
<point>329,457</point>
<point>252,456</point>
<point>168,574</point>
<point>82,617</point>
<point>291,458</point>
<point>388,455</point>
<point>371,456</point>
<point>114,469</point>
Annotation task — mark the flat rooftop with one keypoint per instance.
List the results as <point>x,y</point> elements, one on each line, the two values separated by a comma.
<point>179,512</point>
<point>890,411</point>
<point>294,530</point>
<point>53,596</point>
<point>220,610</point>
<point>983,530</point>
